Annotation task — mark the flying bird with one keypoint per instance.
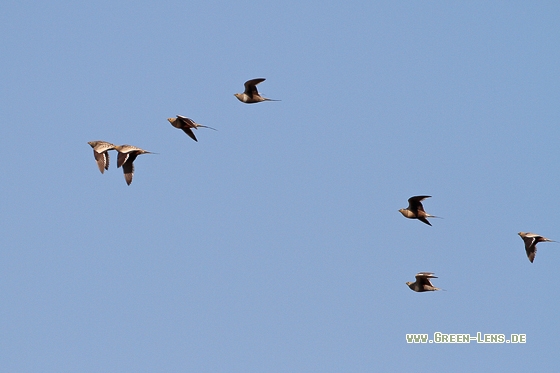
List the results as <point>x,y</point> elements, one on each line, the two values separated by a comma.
<point>251,94</point>
<point>423,282</point>
<point>186,124</point>
<point>415,210</point>
<point>126,157</point>
<point>100,153</point>
<point>531,240</point>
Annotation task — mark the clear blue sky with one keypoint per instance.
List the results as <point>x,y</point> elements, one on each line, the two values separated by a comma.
<point>274,244</point>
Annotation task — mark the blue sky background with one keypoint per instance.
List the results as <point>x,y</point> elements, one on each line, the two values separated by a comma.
<point>275,244</point>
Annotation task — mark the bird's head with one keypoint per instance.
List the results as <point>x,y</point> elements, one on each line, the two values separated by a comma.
<point>173,122</point>
<point>239,96</point>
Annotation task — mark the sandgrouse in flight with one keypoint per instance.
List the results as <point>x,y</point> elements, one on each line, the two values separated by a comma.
<point>251,94</point>
<point>531,240</point>
<point>423,282</point>
<point>100,153</point>
<point>415,210</point>
<point>186,124</point>
<point>126,157</point>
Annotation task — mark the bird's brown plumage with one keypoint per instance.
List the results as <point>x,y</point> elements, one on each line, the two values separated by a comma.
<point>126,157</point>
<point>531,240</point>
<point>100,153</point>
<point>186,124</point>
<point>423,282</point>
<point>415,210</point>
<point>251,94</point>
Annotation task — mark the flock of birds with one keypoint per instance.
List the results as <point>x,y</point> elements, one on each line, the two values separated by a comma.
<point>415,210</point>
<point>128,153</point>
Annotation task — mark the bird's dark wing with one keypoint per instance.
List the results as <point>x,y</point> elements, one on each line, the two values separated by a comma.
<point>530,247</point>
<point>186,121</point>
<point>251,86</point>
<point>423,278</point>
<point>106,157</point>
<point>128,170</point>
<point>189,132</point>
<point>100,159</point>
<point>121,159</point>
<point>531,253</point>
<point>414,203</point>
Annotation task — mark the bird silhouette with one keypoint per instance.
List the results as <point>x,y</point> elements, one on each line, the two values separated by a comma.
<point>423,282</point>
<point>531,240</point>
<point>251,94</point>
<point>186,124</point>
<point>126,157</point>
<point>415,210</point>
<point>100,153</point>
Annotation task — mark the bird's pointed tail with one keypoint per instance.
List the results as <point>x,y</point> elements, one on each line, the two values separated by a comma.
<point>212,128</point>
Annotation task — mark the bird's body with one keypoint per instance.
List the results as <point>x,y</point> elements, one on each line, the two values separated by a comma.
<point>126,157</point>
<point>531,240</point>
<point>423,282</point>
<point>251,94</point>
<point>415,210</point>
<point>100,153</point>
<point>186,124</point>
